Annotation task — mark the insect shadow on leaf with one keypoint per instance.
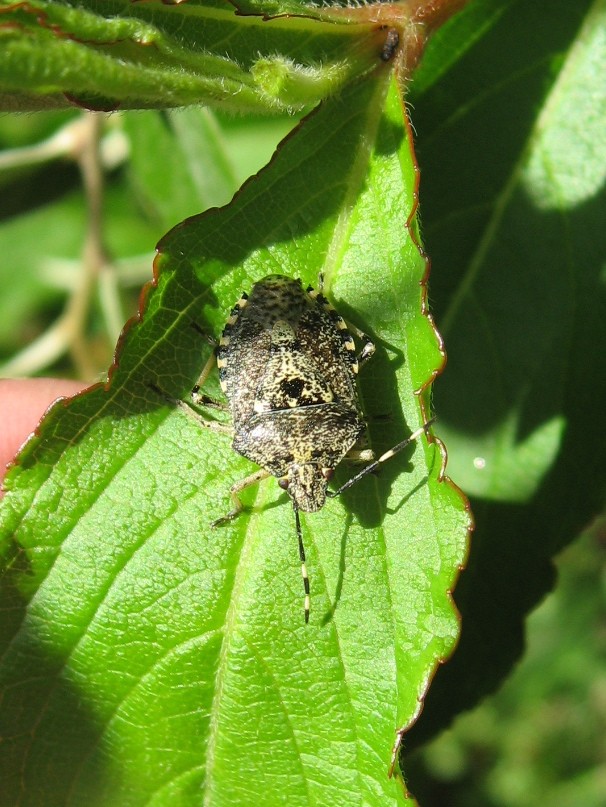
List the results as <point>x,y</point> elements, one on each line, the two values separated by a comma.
<point>288,367</point>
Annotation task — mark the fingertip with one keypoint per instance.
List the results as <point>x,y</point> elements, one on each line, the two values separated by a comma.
<point>22,404</point>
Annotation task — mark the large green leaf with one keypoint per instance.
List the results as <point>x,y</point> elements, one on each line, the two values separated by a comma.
<point>512,152</point>
<point>153,54</point>
<point>150,659</point>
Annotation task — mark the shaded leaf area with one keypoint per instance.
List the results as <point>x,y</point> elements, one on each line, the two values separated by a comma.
<point>119,54</point>
<point>150,659</point>
<point>513,161</point>
<point>541,739</point>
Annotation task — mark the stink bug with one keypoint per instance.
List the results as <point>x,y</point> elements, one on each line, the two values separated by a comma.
<point>287,366</point>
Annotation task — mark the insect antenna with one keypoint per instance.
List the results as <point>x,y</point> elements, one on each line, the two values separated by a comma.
<point>303,566</point>
<point>386,456</point>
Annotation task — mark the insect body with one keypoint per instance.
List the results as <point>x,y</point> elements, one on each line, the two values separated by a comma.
<point>392,40</point>
<point>288,365</point>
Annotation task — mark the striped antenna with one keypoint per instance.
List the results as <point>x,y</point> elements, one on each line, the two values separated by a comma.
<point>387,456</point>
<point>303,566</point>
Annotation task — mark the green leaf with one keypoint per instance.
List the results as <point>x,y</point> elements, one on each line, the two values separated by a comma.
<point>184,161</point>
<point>133,55</point>
<point>150,659</point>
<point>178,163</point>
<point>513,196</point>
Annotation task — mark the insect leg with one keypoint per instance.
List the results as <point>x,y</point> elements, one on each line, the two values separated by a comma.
<point>303,566</point>
<point>222,428</point>
<point>213,425</point>
<point>198,397</point>
<point>383,458</point>
<point>207,370</point>
<point>237,506</point>
<point>360,455</point>
<point>368,346</point>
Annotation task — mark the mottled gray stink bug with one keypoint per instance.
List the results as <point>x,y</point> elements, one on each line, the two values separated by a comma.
<point>287,365</point>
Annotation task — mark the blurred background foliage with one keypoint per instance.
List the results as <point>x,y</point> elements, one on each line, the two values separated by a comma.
<point>542,738</point>
<point>158,168</point>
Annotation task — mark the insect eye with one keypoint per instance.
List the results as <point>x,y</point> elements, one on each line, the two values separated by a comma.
<point>283,483</point>
<point>328,473</point>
